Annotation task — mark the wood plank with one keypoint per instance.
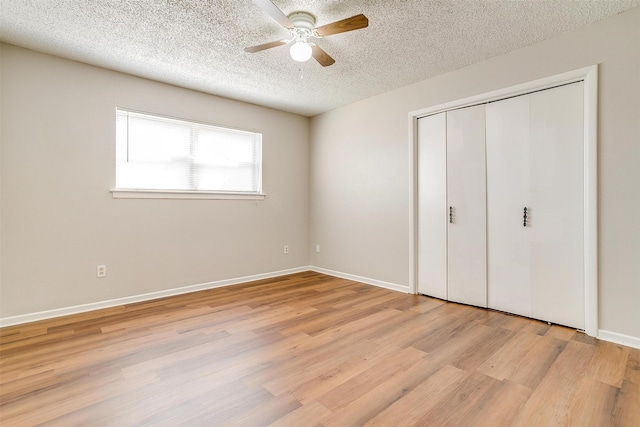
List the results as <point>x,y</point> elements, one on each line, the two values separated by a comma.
<point>549,404</point>
<point>592,404</point>
<point>627,406</point>
<point>505,361</point>
<point>475,355</point>
<point>376,400</point>
<point>352,389</point>
<point>525,359</point>
<point>560,332</point>
<point>532,368</point>
<point>306,415</point>
<point>499,407</point>
<point>318,366</point>
<point>427,304</point>
<point>609,363</point>
<point>411,407</point>
<point>459,406</point>
<point>265,413</point>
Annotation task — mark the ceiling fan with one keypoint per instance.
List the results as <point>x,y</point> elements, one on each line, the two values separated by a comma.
<point>302,28</point>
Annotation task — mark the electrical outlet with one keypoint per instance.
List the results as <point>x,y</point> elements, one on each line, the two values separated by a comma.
<point>286,249</point>
<point>101,271</point>
<point>317,248</point>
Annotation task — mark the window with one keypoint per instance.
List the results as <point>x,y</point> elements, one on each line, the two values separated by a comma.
<point>157,154</point>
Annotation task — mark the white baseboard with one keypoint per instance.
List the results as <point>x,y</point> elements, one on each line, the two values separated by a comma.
<point>617,338</point>
<point>368,281</point>
<point>613,337</point>
<point>58,312</point>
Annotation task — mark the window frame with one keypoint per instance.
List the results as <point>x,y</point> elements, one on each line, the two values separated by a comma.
<point>145,193</point>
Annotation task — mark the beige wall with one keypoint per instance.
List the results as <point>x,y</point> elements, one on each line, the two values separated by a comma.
<point>58,217</point>
<point>360,162</point>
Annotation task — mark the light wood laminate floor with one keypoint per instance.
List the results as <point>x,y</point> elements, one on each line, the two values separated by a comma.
<point>311,350</point>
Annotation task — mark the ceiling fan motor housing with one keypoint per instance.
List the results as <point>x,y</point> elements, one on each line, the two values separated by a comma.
<point>303,20</point>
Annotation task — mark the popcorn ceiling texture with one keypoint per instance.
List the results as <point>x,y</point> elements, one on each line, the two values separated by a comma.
<point>198,44</point>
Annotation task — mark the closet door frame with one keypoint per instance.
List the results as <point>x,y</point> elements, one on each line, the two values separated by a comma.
<point>590,77</point>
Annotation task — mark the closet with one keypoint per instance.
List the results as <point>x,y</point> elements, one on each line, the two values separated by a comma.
<point>500,205</point>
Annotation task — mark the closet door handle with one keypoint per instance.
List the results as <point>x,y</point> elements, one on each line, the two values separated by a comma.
<point>450,214</point>
<point>524,218</point>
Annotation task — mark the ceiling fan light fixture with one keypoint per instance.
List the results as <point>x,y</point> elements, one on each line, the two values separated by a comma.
<point>300,51</point>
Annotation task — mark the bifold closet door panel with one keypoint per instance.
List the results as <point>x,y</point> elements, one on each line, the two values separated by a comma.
<point>432,206</point>
<point>466,193</point>
<point>508,190</point>
<point>557,204</point>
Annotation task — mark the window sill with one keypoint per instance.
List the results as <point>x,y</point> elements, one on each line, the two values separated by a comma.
<point>179,194</point>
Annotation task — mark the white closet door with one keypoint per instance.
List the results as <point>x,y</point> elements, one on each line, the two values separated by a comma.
<point>508,190</point>
<point>466,192</point>
<point>556,214</point>
<point>432,206</point>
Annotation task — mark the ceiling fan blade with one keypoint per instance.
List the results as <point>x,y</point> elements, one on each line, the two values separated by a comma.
<point>321,56</point>
<point>349,24</point>
<point>273,11</point>
<point>265,46</point>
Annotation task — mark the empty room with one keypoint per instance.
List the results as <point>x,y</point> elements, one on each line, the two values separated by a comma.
<point>305,213</point>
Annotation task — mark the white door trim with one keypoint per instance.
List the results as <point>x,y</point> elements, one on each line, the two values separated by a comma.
<point>590,77</point>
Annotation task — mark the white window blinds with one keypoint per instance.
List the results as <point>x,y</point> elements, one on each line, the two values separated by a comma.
<point>159,153</point>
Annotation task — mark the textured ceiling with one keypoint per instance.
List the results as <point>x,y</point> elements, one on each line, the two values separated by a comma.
<point>199,44</point>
